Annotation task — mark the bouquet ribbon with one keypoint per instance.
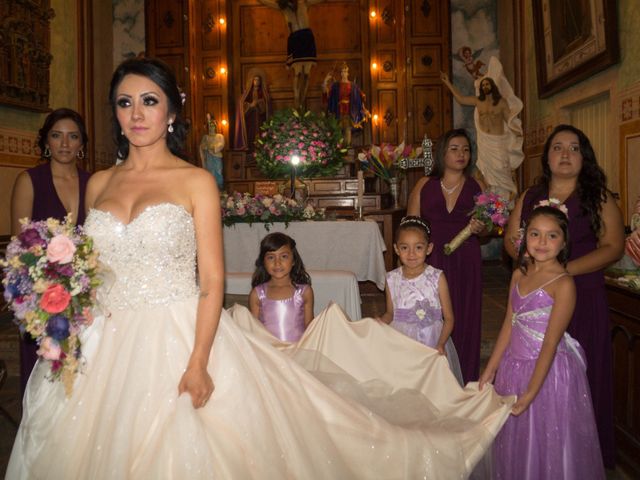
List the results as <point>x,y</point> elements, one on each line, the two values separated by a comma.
<point>458,240</point>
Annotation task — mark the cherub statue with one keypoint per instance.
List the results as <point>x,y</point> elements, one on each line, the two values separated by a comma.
<point>211,147</point>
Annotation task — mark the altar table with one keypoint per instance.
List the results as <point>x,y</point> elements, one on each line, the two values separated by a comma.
<point>357,247</point>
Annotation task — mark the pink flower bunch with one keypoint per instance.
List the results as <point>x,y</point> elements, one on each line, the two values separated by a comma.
<point>246,208</point>
<point>491,209</point>
<point>314,139</point>
<point>50,276</point>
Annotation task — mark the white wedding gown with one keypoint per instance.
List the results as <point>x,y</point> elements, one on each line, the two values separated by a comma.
<point>349,400</point>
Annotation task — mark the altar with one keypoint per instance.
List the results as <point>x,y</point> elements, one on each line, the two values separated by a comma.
<point>354,246</point>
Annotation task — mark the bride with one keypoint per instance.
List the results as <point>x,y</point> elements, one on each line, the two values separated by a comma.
<point>173,387</point>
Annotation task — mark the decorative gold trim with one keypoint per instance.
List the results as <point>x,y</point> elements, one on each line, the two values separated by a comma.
<point>17,148</point>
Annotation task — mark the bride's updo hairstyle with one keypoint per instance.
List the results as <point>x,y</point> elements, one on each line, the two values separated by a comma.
<point>161,74</point>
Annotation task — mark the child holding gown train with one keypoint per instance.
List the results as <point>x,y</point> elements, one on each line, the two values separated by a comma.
<point>282,297</point>
<point>552,432</point>
<point>417,294</point>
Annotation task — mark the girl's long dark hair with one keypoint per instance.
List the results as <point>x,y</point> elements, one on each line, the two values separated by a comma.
<point>271,243</point>
<point>441,151</point>
<point>161,74</point>
<point>563,223</point>
<point>592,181</point>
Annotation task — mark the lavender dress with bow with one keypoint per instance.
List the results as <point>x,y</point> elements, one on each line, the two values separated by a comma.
<point>283,318</point>
<point>556,437</point>
<point>417,311</point>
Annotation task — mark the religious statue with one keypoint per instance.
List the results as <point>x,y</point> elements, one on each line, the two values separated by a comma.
<point>301,45</point>
<point>345,101</point>
<point>253,109</point>
<point>211,147</point>
<point>498,128</point>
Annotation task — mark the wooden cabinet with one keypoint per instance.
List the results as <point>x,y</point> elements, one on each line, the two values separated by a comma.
<point>624,308</point>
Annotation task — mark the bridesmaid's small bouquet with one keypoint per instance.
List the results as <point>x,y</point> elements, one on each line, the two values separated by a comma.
<point>50,277</point>
<point>491,209</point>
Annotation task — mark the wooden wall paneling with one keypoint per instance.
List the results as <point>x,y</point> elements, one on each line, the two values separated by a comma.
<point>387,129</point>
<point>208,58</point>
<point>430,111</point>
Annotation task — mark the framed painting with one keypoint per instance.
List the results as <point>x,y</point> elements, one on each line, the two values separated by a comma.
<point>573,40</point>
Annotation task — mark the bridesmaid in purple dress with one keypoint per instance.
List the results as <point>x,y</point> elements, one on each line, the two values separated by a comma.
<point>571,174</point>
<point>51,190</point>
<point>552,433</point>
<point>281,298</point>
<point>445,199</point>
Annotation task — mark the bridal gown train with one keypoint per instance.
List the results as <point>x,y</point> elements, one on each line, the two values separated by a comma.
<point>349,400</point>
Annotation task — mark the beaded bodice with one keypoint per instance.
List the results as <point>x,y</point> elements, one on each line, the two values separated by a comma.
<point>152,257</point>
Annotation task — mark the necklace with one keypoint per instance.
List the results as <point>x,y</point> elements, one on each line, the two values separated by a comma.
<point>449,191</point>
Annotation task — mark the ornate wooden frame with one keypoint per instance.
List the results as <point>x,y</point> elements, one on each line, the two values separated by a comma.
<point>562,61</point>
<point>25,54</point>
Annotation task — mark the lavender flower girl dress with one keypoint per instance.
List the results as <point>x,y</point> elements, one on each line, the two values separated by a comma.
<point>417,311</point>
<point>283,318</point>
<point>556,437</point>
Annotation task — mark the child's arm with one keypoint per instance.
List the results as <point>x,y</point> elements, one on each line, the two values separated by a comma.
<point>307,296</point>
<point>561,313</point>
<point>502,342</point>
<point>447,313</point>
<point>254,303</point>
<point>387,316</point>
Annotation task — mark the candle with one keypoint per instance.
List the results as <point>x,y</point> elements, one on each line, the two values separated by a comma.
<point>360,188</point>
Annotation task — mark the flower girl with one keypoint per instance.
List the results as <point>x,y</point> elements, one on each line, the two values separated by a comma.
<point>418,301</point>
<point>552,433</point>
<point>281,298</point>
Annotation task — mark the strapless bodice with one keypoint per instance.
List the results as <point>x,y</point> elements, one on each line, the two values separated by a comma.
<point>152,257</point>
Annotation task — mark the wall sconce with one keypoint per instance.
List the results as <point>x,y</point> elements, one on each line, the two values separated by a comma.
<point>223,70</point>
<point>373,14</point>
<point>375,118</point>
<point>224,122</point>
<point>374,66</point>
<point>221,21</point>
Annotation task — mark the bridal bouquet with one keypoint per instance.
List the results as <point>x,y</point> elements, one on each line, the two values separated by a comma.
<point>50,280</point>
<point>491,209</point>
<point>247,208</point>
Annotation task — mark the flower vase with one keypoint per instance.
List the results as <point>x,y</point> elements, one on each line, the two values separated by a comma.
<point>394,187</point>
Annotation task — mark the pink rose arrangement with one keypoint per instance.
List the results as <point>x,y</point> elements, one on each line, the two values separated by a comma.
<point>491,209</point>
<point>316,139</point>
<point>247,208</point>
<point>50,276</point>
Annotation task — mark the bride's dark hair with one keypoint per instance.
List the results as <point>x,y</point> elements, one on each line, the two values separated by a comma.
<point>161,74</point>
<point>271,243</point>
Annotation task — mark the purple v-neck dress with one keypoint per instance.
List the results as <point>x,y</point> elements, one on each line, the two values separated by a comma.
<point>590,322</point>
<point>46,204</point>
<point>556,437</point>
<point>463,268</point>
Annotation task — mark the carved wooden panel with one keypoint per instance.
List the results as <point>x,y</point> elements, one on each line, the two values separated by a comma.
<point>430,112</point>
<point>387,66</point>
<point>168,20</point>
<point>262,32</point>
<point>210,15</point>
<point>426,60</point>
<point>337,30</point>
<point>385,21</point>
<point>386,129</point>
<point>25,53</point>
<point>426,18</point>
<point>211,75</point>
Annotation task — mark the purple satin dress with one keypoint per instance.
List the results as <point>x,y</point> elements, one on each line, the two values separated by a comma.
<point>556,437</point>
<point>463,268</point>
<point>590,324</point>
<point>46,204</point>
<point>283,318</point>
<point>417,311</point>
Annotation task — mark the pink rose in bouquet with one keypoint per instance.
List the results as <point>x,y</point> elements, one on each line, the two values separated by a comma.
<point>60,249</point>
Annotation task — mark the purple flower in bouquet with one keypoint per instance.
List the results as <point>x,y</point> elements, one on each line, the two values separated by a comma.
<point>58,327</point>
<point>30,237</point>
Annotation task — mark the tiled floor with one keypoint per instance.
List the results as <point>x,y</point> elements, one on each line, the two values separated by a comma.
<point>496,282</point>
